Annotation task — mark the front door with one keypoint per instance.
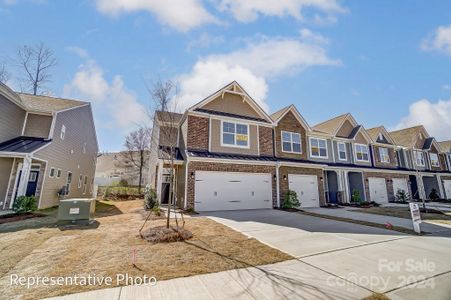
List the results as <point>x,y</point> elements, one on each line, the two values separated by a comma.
<point>32,183</point>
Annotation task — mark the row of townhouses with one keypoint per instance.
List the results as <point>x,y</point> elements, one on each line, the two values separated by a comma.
<point>230,155</point>
<point>48,148</point>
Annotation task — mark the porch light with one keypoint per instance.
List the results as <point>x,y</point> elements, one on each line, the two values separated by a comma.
<point>321,178</point>
<point>284,177</point>
<point>275,177</point>
<point>192,175</point>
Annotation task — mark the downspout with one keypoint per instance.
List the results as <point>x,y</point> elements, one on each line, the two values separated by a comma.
<point>277,184</point>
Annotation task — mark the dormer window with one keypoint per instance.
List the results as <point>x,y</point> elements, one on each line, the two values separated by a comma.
<point>383,155</point>
<point>361,153</point>
<point>419,158</point>
<point>434,160</point>
<point>235,134</point>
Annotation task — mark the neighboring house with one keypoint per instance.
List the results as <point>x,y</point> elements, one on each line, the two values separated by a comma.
<point>230,155</point>
<point>48,146</point>
<point>112,167</point>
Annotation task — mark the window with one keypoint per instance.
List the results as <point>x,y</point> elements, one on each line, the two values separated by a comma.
<point>68,182</point>
<point>84,148</point>
<point>342,155</point>
<point>80,180</point>
<point>361,152</point>
<point>419,158</point>
<point>85,184</point>
<point>291,142</point>
<point>58,174</point>
<point>434,160</point>
<point>318,148</point>
<point>52,172</point>
<point>383,155</point>
<point>235,134</point>
<point>63,132</point>
<point>33,177</point>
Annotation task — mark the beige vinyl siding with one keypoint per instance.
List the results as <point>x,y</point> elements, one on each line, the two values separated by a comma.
<point>38,125</point>
<point>11,119</point>
<point>68,155</point>
<point>5,171</point>
<point>233,104</point>
<point>216,140</point>
<point>345,129</point>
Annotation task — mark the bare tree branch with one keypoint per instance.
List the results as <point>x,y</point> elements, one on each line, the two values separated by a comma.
<point>35,63</point>
<point>4,75</point>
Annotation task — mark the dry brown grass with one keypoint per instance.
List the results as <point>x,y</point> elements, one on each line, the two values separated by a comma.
<point>107,250</point>
<point>404,212</point>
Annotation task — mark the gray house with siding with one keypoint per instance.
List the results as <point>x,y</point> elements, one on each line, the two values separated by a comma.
<point>48,148</point>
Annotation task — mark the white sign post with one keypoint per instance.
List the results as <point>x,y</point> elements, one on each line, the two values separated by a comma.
<point>416,217</point>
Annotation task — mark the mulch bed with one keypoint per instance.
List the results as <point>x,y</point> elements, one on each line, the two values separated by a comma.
<point>14,217</point>
<point>161,234</point>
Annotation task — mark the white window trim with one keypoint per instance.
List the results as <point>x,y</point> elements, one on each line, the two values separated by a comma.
<point>50,172</point>
<point>80,180</point>
<point>367,151</point>
<point>380,156</point>
<point>438,160</point>
<point>63,132</point>
<point>416,152</point>
<point>235,145</point>
<point>69,183</point>
<point>338,150</point>
<point>85,184</point>
<point>291,141</point>
<point>310,146</point>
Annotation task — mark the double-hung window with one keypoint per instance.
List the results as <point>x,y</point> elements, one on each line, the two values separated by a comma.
<point>291,142</point>
<point>342,155</point>
<point>235,134</point>
<point>361,152</point>
<point>68,182</point>
<point>383,155</point>
<point>318,148</point>
<point>434,160</point>
<point>419,158</point>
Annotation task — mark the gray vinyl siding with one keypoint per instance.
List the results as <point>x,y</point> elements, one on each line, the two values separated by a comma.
<point>329,151</point>
<point>348,153</point>
<point>68,155</point>
<point>11,119</point>
<point>5,171</point>
<point>38,125</point>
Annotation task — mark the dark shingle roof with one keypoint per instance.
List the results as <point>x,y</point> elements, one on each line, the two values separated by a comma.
<point>23,144</point>
<point>47,103</point>
<point>166,116</point>
<point>428,143</point>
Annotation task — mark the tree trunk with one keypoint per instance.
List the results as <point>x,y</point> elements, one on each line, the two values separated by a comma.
<point>141,165</point>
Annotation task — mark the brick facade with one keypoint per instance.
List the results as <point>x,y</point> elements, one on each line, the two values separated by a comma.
<point>388,182</point>
<point>291,124</point>
<point>377,159</point>
<point>265,135</point>
<point>198,133</point>
<point>283,180</point>
<point>225,167</point>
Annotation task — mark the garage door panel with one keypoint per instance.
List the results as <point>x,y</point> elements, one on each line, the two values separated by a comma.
<point>400,184</point>
<point>232,191</point>
<point>306,188</point>
<point>378,190</point>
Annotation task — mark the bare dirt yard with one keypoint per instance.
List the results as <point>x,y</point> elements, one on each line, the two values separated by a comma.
<point>38,247</point>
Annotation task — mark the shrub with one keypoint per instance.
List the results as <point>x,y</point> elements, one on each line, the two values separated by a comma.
<point>123,182</point>
<point>291,200</point>
<point>156,210</point>
<point>356,196</point>
<point>24,204</point>
<point>433,195</point>
<point>150,199</point>
<point>402,196</point>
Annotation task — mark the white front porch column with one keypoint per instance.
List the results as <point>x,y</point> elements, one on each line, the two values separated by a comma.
<point>420,185</point>
<point>159,179</point>
<point>440,187</point>
<point>24,175</point>
<point>345,186</point>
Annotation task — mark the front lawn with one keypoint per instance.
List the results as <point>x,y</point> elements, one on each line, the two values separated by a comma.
<point>37,247</point>
<point>404,212</point>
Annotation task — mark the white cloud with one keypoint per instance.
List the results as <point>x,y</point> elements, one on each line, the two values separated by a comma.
<point>208,76</point>
<point>82,53</point>
<point>113,102</point>
<point>436,117</point>
<point>440,40</point>
<point>250,10</point>
<point>251,66</point>
<point>205,40</point>
<point>181,15</point>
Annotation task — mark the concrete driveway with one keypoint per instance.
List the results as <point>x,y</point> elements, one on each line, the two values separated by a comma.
<point>378,260</point>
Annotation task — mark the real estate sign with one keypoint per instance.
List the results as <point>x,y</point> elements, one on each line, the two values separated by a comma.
<point>416,216</point>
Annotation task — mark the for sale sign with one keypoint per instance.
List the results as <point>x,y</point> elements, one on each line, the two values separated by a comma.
<point>416,216</point>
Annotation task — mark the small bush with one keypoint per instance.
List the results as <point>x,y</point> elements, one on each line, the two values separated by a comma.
<point>356,196</point>
<point>402,196</point>
<point>123,182</point>
<point>150,199</point>
<point>291,200</point>
<point>24,204</point>
<point>433,195</point>
<point>156,210</point>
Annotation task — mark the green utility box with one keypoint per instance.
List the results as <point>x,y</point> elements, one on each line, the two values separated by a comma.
<point>76,211</point>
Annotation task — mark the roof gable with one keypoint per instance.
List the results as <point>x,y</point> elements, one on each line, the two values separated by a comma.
<point>279,115</point>
<point>235,89</point>
<point>359,134</point>
<point>410,137</point>
<point>334,126</point>
<point>380,135</point>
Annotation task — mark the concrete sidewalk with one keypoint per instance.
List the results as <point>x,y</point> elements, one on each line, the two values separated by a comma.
<point>351,213</point>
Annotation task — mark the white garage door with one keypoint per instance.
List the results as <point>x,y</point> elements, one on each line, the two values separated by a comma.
<point>447,186</point>
<point>232,191</point>
<point>378,190</point>
<point>306,187</point>
<point>400,184</point>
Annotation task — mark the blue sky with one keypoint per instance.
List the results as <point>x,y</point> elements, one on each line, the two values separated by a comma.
<point>386,62</point>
